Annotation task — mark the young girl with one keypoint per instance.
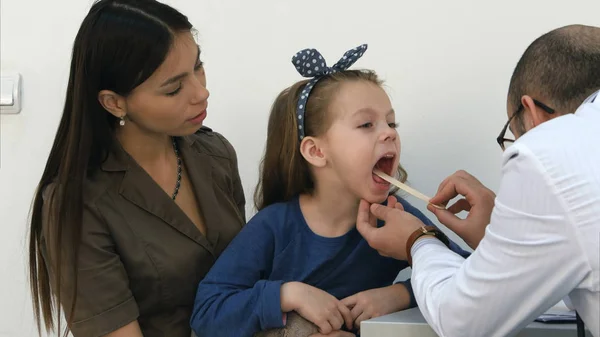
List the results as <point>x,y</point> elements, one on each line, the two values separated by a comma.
<point>302,252</point>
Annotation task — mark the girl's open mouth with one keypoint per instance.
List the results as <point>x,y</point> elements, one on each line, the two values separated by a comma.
<point>386,165</point>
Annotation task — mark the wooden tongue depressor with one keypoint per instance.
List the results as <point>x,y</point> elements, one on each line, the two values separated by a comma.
<point>405,187</point>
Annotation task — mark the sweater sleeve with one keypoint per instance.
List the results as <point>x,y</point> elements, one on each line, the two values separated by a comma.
<point>235,298</point>
<point>453,246</point>
<point>414,211</point>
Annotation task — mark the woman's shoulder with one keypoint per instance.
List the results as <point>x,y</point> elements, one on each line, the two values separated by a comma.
<point>212,143</point>
<point>94,187</point>
<point>92,190</point>
<point>91,220</point>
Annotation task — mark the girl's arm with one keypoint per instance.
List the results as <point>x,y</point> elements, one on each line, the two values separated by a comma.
<point>235,298</point>
<point>377,302</point>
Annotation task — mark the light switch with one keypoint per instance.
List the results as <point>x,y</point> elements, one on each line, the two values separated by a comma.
<point>6,98</point>
<point>10,93</point>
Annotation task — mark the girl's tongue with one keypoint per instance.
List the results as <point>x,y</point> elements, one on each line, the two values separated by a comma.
<point>379,180</point>
<point>385,165</point>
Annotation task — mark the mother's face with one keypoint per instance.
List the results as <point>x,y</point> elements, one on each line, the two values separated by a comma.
<point>173,100</point>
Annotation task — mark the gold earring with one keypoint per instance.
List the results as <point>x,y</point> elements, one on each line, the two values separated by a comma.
<point>122,121</point>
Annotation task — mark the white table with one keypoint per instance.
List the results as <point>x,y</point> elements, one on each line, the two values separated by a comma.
<point>409,323</point>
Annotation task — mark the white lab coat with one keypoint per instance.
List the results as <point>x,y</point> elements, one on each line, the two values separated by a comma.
<point>542,244</point>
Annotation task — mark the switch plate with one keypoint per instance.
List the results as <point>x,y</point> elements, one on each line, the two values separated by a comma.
<point>11,92</point>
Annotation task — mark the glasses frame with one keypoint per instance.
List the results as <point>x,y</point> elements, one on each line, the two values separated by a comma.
<point>501,139</point>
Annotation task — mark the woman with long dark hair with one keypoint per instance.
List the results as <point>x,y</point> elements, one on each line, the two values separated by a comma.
<point>137,199</point>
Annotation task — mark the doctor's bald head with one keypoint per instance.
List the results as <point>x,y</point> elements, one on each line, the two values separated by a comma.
<point>559,69</point>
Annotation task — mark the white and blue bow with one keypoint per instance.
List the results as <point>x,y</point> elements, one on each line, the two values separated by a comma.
<point>310,63</point>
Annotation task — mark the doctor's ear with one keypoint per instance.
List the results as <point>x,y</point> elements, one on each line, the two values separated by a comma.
<point>538,112</point>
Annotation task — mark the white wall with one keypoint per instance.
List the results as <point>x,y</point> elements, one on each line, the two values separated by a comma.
<point>447,66</point>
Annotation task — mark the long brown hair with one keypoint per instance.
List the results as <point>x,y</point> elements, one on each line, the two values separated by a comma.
<point>284,173</point>
<point>119,45</point>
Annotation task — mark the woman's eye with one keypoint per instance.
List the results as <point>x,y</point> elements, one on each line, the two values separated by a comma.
<point>175,92</point>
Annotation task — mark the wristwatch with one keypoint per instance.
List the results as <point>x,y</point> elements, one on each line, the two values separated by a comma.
<point>424,230</point>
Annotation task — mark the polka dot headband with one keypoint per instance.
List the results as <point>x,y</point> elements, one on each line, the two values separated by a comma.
<point>310,63</point>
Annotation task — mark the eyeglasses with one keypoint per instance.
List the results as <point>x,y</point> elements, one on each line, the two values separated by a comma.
<point>501,139</point>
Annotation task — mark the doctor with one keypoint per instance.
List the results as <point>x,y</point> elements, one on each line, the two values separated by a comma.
<point>538,240</point>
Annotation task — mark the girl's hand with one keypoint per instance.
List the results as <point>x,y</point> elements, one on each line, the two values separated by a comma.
<point>324,310</point>
<point>377,302</point>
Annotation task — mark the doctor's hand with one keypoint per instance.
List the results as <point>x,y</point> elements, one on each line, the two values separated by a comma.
<point>390,239</point>
<point>478,201</point>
